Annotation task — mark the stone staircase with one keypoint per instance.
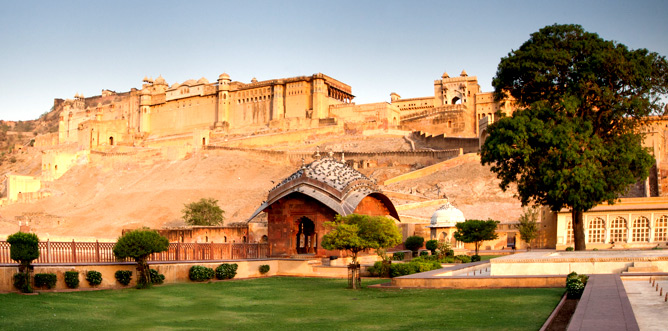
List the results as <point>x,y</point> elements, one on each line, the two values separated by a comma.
<point>642,267</point>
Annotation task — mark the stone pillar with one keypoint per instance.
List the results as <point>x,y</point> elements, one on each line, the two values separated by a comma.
<point>628,229</point>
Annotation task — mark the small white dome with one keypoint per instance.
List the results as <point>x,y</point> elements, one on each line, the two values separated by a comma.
<point>446,216</point>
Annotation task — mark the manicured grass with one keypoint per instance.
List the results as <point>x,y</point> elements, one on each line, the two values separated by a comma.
<point>488,257</point>
<point>280,304</point>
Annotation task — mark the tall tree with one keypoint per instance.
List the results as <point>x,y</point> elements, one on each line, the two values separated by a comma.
<point>476,231</point>
<point>356,233</point>
<point>203,212</point>
<point>528,225</point>
<point>575,139</point>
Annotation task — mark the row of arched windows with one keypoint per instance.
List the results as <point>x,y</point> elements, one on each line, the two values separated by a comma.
<point>619,227</point>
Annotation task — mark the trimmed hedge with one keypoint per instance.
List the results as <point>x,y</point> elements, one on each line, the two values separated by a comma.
<point>156,277</point>
<point>575,285</point>
<point>123,276</point>
<point>199,273</point>
<point>72,279</point>
<point>418,264</point>
<point>264,269</point>
<point>47,280</point>
<point>22,282</point>
<point>398,256</point>
<point>226,271</point>
<point>94,278</point>
<point>463,258</point>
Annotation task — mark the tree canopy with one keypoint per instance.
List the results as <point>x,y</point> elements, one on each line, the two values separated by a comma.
<point>139,245</point>
<point>575,139</point>
<point>476,231</point>
<point>203,212</point>
<point>356,233</point>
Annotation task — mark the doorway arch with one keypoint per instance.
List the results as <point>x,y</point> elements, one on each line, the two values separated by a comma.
<point>306,239</point>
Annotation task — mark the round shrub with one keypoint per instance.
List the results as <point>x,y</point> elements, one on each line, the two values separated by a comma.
<point>226,271</point>
<point>22,282</point>
<point>72,279</point>
<point>123,276</point>
<point>264,269</point>
<point>431,245</point>
<point>414,243</point>
<point>424,253</point>
<point>47,280</point>
<point>569,249</point>
<point>94,278</point>
<point>463,258</point>
<point>156,277</point>
<point>475,258</point>
<point>398,256</point>
<point>199,273</point>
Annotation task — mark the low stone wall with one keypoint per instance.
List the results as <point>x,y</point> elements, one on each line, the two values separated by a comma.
<point>480,282</point>
<point>175,272</point>
<point>563,263</point>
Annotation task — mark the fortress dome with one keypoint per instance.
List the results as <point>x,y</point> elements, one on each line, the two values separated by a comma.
<point>445,75</point>
<point>203,81</point>
<point>190,82</point>
<point>160,81</point>
<point>446,216</point>
<point>224,76</point>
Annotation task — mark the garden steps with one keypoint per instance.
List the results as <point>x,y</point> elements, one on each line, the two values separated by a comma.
<point>642,266</point>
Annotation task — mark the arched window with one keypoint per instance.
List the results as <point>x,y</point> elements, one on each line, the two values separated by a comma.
<point>569,232</point>
<point>661,229</point>
<point>618,229</point>
<point>596,230</point>
<point>640,230</point>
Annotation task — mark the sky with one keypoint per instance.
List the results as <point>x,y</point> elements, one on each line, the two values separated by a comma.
<point>55,49</point>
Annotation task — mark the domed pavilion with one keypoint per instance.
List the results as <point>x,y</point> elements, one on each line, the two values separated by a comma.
<point>443,224</point>
<point>300,204</point>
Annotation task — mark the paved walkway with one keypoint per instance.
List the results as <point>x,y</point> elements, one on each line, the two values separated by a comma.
<point>604,306</point>
<point>650,308</point>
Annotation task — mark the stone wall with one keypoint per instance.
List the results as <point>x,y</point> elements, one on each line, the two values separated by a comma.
<point>443,141</point>
<point>175,272</point>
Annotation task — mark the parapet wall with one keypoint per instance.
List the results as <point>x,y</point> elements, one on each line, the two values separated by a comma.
<point>355,158</point>
<point>441,141</point>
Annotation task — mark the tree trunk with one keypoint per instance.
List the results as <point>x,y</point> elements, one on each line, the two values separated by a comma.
<point>578,230</point>
<point>144,280</point>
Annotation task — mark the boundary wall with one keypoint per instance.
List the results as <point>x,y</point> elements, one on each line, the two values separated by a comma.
<point>175,272</point>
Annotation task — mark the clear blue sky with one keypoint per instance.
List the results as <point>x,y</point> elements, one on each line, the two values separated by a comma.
<point>54,49</point>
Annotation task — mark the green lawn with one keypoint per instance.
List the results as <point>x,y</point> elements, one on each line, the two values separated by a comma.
<point>280,304</point>
<point>489,257</point>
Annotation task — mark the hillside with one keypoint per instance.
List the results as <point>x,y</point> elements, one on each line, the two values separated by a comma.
<point>97,201</point>
<point>93,201</point>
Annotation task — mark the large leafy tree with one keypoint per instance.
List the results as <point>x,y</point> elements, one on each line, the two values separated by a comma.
<point>203,212</point>
<point>139,245</point>
<point>575,139</point>
<point>476,231</point>
<point>356,233</point>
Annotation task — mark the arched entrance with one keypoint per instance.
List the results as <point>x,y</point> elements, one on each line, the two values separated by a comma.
<point>306,239</point>
<point>111,141</point>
